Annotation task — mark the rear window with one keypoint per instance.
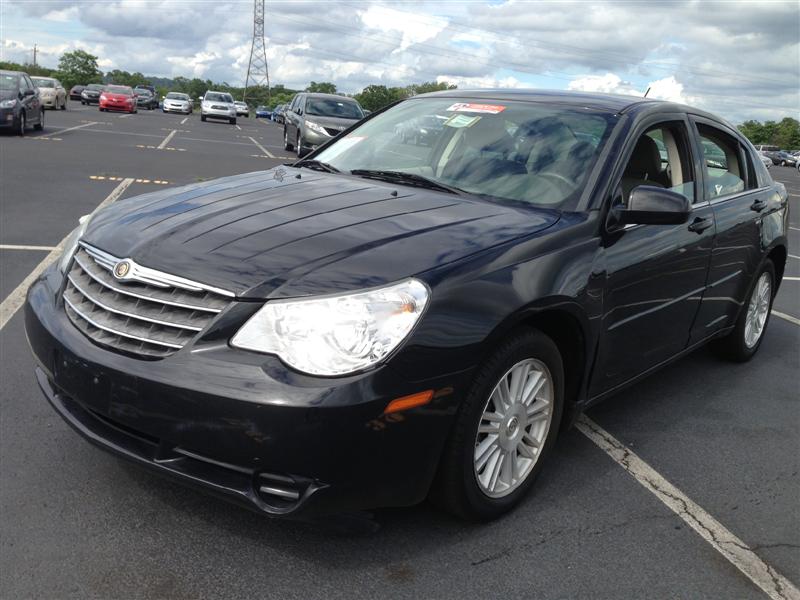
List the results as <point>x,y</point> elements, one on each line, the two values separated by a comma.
<point>217,97</point>
<point>329,107</point>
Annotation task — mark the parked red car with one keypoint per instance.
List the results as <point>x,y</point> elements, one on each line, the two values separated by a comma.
<point>118,97</point>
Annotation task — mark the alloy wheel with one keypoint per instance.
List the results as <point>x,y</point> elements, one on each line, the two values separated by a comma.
<point>757,310</point>
<point>513,428</point>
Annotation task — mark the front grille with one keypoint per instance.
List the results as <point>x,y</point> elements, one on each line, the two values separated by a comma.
<point>151,314</point>
<point>215,107</point>
<point>332,131</point>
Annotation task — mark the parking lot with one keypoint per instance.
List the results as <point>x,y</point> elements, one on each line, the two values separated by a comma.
<point>78,523</point>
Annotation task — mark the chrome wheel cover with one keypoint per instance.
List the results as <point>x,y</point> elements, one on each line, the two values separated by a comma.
<point>757,310</point>
<point>513,428</point>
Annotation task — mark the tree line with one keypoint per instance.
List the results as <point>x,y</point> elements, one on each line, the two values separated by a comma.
<point>80,68</point>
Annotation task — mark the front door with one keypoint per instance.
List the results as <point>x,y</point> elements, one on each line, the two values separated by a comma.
<point>655,274</point>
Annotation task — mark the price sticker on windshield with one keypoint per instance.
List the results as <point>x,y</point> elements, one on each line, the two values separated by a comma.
<point>488,109</point>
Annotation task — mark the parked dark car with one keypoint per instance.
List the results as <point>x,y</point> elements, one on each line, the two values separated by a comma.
<point>784,159</point>
<point>75,92</point>
<point>91,93</point>
<point>312,120</point>
<point>262,112</point>
<point>147,88</point>
<point>278,113</point>
<point>378,323</point>
<point>20,105</point>
<point>145,99</point>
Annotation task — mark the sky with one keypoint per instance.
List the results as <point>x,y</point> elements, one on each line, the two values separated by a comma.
<point>740,60</point>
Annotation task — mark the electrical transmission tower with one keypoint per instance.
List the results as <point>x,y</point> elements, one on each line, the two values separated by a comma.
<point>257,70</point>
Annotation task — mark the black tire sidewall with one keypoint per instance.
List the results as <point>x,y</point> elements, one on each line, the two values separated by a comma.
<point>458,486</point>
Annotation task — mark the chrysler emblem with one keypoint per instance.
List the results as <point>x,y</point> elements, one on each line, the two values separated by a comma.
<point>122,268</point>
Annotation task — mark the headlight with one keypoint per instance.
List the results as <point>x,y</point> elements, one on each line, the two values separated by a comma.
<point>8,103</point>
<point>71,243</point>
<point>315,127</point>
<point>336,335</point>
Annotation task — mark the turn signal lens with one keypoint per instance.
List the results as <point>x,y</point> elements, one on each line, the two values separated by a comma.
<point>406,402</point>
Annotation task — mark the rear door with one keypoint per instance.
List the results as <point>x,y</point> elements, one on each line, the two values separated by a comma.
<point>739,201</point>
<point>655,274</point>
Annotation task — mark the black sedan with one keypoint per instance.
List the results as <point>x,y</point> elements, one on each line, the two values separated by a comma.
<point>20,104</point>
<point>75,92</point>
<point>382,322</point>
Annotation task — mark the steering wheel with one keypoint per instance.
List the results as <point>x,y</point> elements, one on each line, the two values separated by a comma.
<point>559,178</point>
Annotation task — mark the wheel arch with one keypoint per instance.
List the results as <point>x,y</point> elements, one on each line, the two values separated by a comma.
<point>778,256</point>
<point>567,325</point>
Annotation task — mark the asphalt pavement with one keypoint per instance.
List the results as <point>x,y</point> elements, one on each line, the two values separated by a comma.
<point>78,523</point>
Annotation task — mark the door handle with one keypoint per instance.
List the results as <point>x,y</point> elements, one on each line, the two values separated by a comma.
<point>758,205</point>
<point>700,225</point>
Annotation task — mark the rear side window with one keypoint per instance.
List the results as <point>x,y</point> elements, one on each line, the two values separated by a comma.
<point>725,170</point>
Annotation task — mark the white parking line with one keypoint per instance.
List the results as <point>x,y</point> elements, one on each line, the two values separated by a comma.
<point>260,147</point>
<point>73,128</point>
<point>791,278</point>
<point>184,120</point>
<point>18,247</point>
<point>786,317</point>
<point>795,257</point>
<point>794,228</point>
<point>712,531</point>
<point>239,128</point>
<point>167,139</point>
<point>16,298</point>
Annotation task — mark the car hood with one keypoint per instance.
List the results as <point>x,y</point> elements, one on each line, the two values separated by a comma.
<point>6,94</point>
<point>114,96</point>
<point>334,122</point>
<point>291,232</point>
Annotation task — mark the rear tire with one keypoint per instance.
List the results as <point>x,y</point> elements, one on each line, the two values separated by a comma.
<point>464,485</point>
<point>741,344</point>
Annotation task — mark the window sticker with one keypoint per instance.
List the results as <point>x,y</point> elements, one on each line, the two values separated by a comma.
<point>489,109</point>
<point>458,121</point>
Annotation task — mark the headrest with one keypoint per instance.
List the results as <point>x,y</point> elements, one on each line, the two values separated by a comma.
<point>645,161</point>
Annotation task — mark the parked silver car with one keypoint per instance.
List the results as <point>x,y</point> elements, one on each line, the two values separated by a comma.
<point>313,119</point>
<point>242,109</point>
<point>177,102</point>
<point>51,92</point>
<point>218,105</point>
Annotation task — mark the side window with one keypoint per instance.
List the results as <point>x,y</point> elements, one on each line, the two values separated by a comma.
<point>661,158</point>
<point>722,160</point>
<point>25,83</point>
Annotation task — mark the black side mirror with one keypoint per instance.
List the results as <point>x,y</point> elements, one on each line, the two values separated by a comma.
<point>649,205</point>
<point>29,92</point>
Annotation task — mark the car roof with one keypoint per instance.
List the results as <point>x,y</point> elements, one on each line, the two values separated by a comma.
<point>331,96</point>
<point>43,77</point>
<point>4,72</point>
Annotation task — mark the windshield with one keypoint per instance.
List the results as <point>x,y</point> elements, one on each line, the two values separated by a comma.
<point>9,82</point>
<point>96,86</point>
<point>509,150</point>
<point>119,89</point>
<point>43,83</point>
<point>177,96</point>
<point>329,107</point>
<point>216,97</point>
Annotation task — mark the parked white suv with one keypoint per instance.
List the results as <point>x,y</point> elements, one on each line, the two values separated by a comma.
<point>218,105</point>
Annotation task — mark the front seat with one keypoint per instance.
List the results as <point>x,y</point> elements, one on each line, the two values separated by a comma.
<point>644,167</point>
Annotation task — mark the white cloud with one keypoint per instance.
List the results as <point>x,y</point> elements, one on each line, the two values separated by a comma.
<point>413,31</point>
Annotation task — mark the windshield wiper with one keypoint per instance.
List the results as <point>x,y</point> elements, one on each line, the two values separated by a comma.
<point>404,178</point>
<point>317,165</point>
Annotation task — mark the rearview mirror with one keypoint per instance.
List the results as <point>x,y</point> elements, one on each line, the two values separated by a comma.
<point>649,205</point>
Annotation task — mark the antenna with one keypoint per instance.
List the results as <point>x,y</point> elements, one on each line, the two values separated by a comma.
<point>647,92</point>
<point>257,70</point>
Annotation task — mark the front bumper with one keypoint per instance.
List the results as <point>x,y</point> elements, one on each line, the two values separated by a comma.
<point>8,118</point>
<point>236,423</point>
<point>91,99</point>
<point>121,106</point>
<point>183,109</point>
<point>218,114</point>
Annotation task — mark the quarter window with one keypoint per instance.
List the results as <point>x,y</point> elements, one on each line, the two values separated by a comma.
<point>722,161</point>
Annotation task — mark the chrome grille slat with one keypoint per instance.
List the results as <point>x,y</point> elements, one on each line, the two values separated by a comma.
<point>143,314</point>
<point>106,281</point>
<point>148,319</point>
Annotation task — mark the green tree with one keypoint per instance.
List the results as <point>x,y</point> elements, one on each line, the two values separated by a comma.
<point>78,67</point>
<point>321,88</point>
<point>374,97</point>
<point>429,86</point>
<point>785,133</point>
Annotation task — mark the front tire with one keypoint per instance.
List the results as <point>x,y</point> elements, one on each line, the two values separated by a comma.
<point>202,118</point>
<point>505,428</point>
<point>232,121</point>
<point>22,125</point>
<point>741,344</point>
<point>64,104</point>
<point>286,144</point>
<point>40,125</point>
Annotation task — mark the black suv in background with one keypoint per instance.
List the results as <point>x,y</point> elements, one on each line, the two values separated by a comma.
<point>91,94</point>
<point>20,105</point>
<point>145,98</point>
<point>311,120</point>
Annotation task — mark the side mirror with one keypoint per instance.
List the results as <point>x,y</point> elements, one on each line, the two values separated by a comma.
<point>29,92</point>
<point>649,205</point>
